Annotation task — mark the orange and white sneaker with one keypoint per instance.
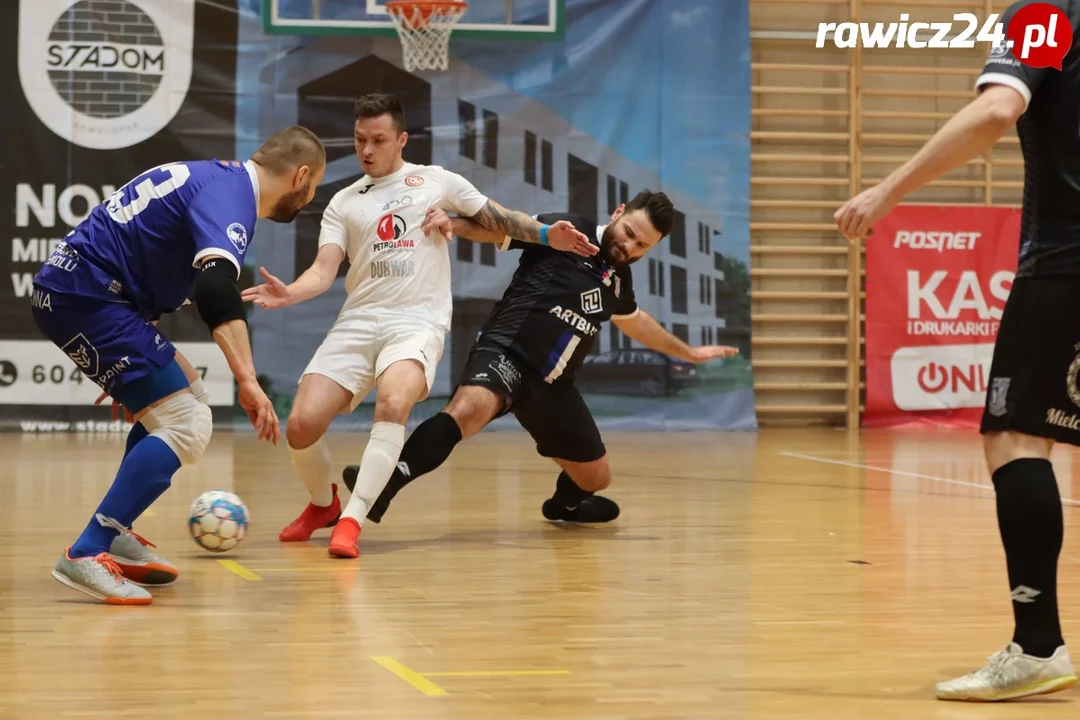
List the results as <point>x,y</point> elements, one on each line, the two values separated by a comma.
<point>132,554</point>
<point>99,577</point>
<point>345,540</point>
<point>313,518</point>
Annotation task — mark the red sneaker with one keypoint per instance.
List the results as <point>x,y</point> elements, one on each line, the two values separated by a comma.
<point>313,518</point>
<point>345,540</point>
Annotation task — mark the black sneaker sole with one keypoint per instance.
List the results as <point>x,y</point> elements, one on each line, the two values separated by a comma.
<point>594,510</point>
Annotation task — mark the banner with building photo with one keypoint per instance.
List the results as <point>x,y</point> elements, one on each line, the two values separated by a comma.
<point>937,279</point>
<point>99,91</point>
<point>635,94</point>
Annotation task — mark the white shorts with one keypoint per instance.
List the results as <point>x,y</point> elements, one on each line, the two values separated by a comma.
<point>359,348</point>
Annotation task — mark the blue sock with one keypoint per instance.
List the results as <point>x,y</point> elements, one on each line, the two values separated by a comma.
<point>144,475</point>
<point>137,433</point>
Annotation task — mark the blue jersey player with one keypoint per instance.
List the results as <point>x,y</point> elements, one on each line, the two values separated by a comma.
<point>176,233</point>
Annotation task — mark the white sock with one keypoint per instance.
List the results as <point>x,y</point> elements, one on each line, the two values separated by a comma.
<point>312,464</point>
<point>376,467</point>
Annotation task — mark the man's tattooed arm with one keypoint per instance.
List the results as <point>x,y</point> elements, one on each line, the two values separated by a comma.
<point>516,224</point>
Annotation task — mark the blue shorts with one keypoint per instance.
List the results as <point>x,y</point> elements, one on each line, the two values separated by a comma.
<point>112,344</point>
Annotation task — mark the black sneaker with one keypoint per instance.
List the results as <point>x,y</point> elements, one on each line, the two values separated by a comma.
<point>593,509</point>
<point>382,504</point>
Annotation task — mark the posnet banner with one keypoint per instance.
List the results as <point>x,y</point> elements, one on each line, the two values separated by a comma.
<point>937,278</point>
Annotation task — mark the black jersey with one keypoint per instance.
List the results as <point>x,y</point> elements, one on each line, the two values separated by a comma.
<point>552,310</point>
<point>1050,140</point>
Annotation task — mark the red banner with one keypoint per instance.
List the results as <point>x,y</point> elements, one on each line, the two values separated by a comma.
<point>937,278</point>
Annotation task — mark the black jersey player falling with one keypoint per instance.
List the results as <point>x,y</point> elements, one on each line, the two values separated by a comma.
<point>1033,400</point>
<point>524,358</point>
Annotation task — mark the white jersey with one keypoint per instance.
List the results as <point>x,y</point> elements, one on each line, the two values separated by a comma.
<point>394,267</point>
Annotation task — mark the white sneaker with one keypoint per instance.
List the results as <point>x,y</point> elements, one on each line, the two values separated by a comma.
<point>133,555</point>
<point>138,562</point>
<point>100,578</point>
<point>1011,674</point>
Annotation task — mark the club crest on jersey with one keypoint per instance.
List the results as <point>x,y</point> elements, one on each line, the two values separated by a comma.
<point>591,301</point>
<point>237,236</point>
<point>414,181</point>
<point>1000,50</point>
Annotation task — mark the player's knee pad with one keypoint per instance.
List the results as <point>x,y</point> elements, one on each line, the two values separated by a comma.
<point>184,424</point>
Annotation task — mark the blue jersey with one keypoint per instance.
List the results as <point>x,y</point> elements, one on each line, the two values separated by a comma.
<point>143,243</point>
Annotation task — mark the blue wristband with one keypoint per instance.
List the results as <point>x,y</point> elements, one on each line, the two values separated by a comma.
<point>543,234</point>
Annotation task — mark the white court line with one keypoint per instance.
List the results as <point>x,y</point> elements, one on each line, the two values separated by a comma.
<point>904,473</point>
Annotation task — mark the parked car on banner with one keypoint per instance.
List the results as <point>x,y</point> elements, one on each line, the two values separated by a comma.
<point>635,372</point>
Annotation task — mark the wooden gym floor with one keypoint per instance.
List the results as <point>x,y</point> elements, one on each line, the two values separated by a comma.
<point>809,574</point>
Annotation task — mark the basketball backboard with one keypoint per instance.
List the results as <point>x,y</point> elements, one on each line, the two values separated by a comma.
<point>495,19</point>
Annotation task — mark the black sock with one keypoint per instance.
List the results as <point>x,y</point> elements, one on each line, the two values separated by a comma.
<point>567,492</point>
<point>425,450</point>
<point>1030,519</point>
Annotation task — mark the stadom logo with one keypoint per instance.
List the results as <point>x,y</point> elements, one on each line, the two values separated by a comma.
<point>106,74</point>
<point>110,70</point>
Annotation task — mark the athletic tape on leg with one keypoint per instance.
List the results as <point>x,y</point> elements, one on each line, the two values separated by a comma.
<point>198,387</point>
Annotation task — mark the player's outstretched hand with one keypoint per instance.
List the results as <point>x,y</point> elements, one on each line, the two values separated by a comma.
<point>437,220</point>
<point>564,236</point>
<point>260,411</point>
<point>858,215</point>
<point>271,295</point>
<point>705,353</point>
<point>114,413</point>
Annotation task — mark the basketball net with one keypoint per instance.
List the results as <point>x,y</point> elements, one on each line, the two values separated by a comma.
<point>424,27</point>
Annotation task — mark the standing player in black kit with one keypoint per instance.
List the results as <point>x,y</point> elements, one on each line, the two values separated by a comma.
<point>524,358</point>
<point>1033,394</point>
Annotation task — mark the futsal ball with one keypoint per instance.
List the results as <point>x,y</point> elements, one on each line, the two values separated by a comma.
<point>218,520</point>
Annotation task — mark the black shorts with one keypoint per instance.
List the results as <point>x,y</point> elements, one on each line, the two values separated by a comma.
<point>554,414</point>
<point>1033,386</point>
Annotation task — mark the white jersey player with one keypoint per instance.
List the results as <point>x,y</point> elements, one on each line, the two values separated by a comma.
<point>389,334</point>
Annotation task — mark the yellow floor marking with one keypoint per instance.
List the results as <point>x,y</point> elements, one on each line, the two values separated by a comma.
<point>490,673</point>
<point>415,679</point>
<point>309,568</point>
<point>239,569</point>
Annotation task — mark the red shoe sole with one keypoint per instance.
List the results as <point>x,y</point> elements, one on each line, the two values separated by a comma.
<point>345,541</point>
<point>342,550</point>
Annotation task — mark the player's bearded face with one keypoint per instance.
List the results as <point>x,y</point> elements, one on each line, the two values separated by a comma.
<point>290,205</point>
<point>626,240</point>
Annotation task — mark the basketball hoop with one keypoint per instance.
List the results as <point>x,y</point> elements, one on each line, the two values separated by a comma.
<point>424,27</point>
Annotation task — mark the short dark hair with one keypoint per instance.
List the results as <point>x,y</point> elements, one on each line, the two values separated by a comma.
<point>658,207</point>
<point>374,105</point>
<point>290,148</point>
